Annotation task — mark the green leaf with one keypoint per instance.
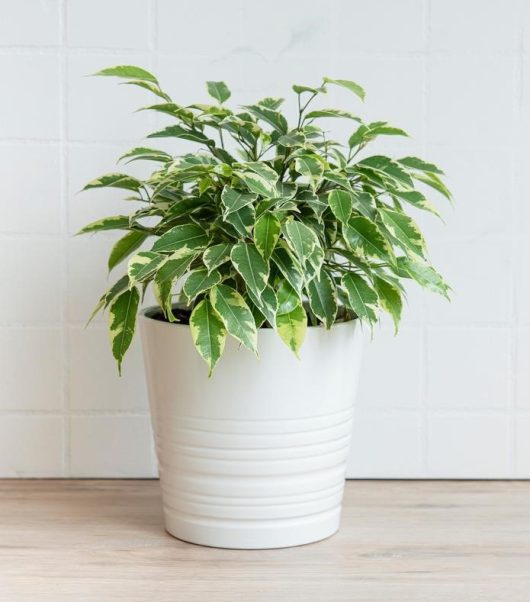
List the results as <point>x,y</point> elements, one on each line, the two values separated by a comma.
<point>301,239</point>
<point>115,180</point>
<point>208,333</point>
<point>301,89</point>
<point>292,328</point>
<point>287,297</point>
<point>323,298</point>
<point>389,168</point>
<point>270,116</point>
<point>336,113</point>
<point>124,247</point>
<point>153,88</point>
<point>234,200</point>
<point>143,265</point>
<point>115,222</point>
<point>218,90</point>
<point>434,181</point>
<point>424,274</point>
<point>235,315</point>
<point>416,199</point>
<point>420,165</point>
<point>242,220</point>
<point>177,131</point>
<point>266,234</point>
<point>258,184</point>
<point>363,236</point>
<point>122,322</point>
<point>216,255</point>
<point>200,281</point>
<point>263,170</point>
<point>185,239</point>
<point>405,230</point>
<point>266,303</point>
<point>340,202</point>
<point>165,279</point>
<point>362,298</point>
<point>128,72</point>
<point>389,299</point>
<point>310,166</point>
<point>147,154</point>
<point>349,85</point>
<point>366,133</point>
<point>251,266</point>
<point>118,287</point>
<point>289,267</point>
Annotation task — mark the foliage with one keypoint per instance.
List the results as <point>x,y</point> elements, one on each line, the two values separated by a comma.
<point>269,224</point>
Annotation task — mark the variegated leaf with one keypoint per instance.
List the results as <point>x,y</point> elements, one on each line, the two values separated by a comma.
<point>234,200</point>
<point>340,202</point>
<point>266,233</point>
<point>362,297</point>
<point>363,236</point>
<point>115,222</point>
<point>165,279</point>
<point>312,167</point>
<point>389,300</point>
<point>292,328</point>
<point>287,297</point>
<point>405,230</point>
<point>258,184</point>
<point>182,240</point>
<point>266,303</point>
<point>143,265</point>
<point>424,274</point>
<point>115,180</point>
<point>289,267</point>
<point>208,333</point>
<point>301,239</point>
<point>200,281</point>
<point>124,247</point>
<point>216,255</point>
<point>323,298</point>
<point>235,315</point>
<point>251,266</point>
<point>122,322</point>
<point>242,220</point>
<point>218,90</point>
<point>348,84</point>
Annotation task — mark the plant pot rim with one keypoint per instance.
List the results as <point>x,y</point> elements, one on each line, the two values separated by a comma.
<point>146,314</point>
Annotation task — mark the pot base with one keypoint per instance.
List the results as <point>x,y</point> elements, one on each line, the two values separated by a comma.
<point>266,535</point>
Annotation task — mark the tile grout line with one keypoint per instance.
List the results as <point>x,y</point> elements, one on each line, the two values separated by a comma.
<point>424,410</point>
<point>64,231</point>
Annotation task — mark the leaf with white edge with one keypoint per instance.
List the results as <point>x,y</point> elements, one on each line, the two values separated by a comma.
<point>118,287</point>
<point>184,239</point>
<point>317,203</point>
<point>340,202</point>
<point>301,239</point>
<point>312,167</point>
<point>124,247</point>
<point>115,222</point>
<point>270,116</point>
<point>234,200</point>
<point>266,303</point>
<point>287,297</point>
<point>257,184</point>
<point>263,170</point>
<point>362,297</point>
<point>114,180</point>
<point>200,281</point>
<point>292,328</point>
<point>292,139</point>
<point>337,113</point>
<point>143,265</point>
<point>235,315</point>
<point>216,255</point>
<point>405,230</point>
<point>177,131</point>
<point>219,91</point>
<point>337,178</point>
<point>363,236</point>
<point>153,88</point>
<point>122,322</point>
<point>420,165</point>
<point>416,199</point>
<point>251,266</point>
<point>389,168</point>
<point>424,274</point>
<point>301,89</point>
<point>289,267</point>
<point>166,278</point>
<point>432,180</point>
<point>266,234</point>
<point>147,154</point>
<point>323,298</point>
<point>390,300</point>
<point>349,85</point>
<point>208,333</point>
<point>128,72</point>
<point>364,203</point>
<point>242,220</point>
<point>367,132</point>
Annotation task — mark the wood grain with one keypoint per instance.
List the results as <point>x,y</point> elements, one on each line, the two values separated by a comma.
<point>401,541</point>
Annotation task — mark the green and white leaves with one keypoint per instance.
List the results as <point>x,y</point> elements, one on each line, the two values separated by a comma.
<point>122,322</point>
<point>235,315</point>
<point>264,221</point>
<point>208,333</point>
<point>251,266</point>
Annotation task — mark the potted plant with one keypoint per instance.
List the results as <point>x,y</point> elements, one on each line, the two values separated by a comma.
<point>269,240</point>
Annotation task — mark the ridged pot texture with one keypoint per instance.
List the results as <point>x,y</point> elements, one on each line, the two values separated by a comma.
<point>255,456</point>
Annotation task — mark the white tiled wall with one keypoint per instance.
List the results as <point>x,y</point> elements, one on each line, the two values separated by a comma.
<point>450,397</point>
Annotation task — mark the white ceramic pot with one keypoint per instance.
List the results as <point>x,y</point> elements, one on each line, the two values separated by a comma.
<point>255,456</point>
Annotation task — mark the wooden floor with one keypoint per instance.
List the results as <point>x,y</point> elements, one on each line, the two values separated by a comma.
<point>401,541</point>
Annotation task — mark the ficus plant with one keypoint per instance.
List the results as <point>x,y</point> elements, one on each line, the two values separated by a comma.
<point>266,223</point>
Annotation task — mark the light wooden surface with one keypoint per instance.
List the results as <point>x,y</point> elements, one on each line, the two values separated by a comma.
<point>401,541</point>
